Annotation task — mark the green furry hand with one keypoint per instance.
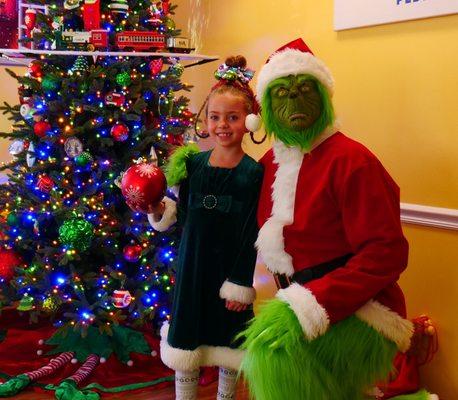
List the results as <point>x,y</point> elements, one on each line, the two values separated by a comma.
<point>276,326</point>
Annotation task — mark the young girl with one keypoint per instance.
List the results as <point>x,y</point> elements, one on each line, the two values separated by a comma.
<point>217,204</point>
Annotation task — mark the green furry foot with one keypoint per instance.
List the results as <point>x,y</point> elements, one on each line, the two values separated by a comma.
<point>340,365</point>
<point>421,395</point>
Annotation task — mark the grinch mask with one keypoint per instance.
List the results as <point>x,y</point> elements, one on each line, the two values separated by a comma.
<point>296,109</point>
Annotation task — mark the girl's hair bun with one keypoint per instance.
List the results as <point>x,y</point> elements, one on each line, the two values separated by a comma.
<point>237,62</point>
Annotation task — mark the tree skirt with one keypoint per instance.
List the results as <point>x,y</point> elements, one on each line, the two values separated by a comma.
<point>19,343</point>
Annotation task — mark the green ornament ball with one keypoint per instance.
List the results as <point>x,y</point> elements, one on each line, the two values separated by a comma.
<point>12,219</point>
<point>76,233</point>
<point>50,83</point>
<point>170,24</point>
<point>177,69</point>
<point>123,79</point>
<point>83,159</point>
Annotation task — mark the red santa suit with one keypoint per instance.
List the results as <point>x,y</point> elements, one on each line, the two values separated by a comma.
<point>318,206</point>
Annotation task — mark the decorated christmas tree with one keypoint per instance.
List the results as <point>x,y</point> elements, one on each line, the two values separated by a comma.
<point>71,250</point>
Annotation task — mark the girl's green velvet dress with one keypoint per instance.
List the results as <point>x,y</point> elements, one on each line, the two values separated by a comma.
<point>217,207</point>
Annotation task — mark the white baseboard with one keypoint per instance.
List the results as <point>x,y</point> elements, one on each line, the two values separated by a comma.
<point>445,218</point>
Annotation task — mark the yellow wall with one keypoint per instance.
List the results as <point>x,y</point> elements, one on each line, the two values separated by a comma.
<point>9,94</point>
<point>396,92</point>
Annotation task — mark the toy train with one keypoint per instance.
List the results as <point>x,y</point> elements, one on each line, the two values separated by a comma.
<point>140,40</point>
<point>97,39</point>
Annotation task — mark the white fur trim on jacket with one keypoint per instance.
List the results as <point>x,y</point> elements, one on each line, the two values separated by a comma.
<point>270,242</point>
<point>168,218</point>
<point>203,356</point>
<point>233,292</point>
<point>312,316</point>
<point>293,62</point>
<point>388,323</point>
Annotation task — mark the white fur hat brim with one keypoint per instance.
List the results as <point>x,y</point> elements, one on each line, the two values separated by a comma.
<point>293,62</point>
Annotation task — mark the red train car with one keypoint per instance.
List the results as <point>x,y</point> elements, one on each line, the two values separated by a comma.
<point>139,40</point>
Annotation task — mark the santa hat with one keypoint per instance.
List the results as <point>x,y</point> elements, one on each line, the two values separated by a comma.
<point>293,58</point>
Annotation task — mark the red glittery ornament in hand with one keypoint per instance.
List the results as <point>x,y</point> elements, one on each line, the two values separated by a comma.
<point>41,128</point>
<point>132,252</point>
<point>9,260</point>
<point>45,184</point>
<point>120,132</point>
<point>143,185</point>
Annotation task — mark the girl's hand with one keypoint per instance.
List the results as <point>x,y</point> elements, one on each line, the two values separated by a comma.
<point>235,306</point>
<point>158,209</point>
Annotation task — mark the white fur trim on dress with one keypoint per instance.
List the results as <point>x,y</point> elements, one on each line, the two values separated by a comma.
<point>312,316</point>
<point>385,321</point>
<point>203,356</point>
<point>293,62</point>
<point>168,218</point>
<point>270,242</point>
<point>233,292</point>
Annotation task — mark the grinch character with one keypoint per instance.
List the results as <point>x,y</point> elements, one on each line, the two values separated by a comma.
<point>330,232</point>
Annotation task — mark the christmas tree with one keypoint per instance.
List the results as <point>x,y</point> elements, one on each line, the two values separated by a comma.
<point>71,249</point>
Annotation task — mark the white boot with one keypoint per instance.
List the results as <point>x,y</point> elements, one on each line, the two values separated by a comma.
<point>227,384</point>
<point>186,385</point>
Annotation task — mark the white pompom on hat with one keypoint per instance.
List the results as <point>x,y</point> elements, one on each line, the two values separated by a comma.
<point>253,122</point>
<point>293,58</point>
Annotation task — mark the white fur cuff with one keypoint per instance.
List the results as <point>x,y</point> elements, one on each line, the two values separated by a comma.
<point>385,321</point>
<point>311,315</point>
<point>168,218</point>
<point>203,356</point>
<point>233,292</point>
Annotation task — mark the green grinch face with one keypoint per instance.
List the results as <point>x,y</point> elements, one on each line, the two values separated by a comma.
<point>296,109</point>
<point>296,102</point>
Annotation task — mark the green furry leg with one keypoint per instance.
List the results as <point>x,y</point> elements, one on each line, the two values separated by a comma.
<point>340,365</point>
<point>421,395</point>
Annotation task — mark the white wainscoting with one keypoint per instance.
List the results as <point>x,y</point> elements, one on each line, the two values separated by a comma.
<point>446,218</point>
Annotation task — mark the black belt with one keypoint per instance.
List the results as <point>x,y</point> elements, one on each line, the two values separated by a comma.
<point>309,274</point>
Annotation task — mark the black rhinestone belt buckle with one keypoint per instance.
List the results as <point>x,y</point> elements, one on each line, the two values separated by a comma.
<point>210,201</point>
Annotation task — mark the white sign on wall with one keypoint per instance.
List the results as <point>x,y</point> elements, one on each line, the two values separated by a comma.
<point>356,13</point>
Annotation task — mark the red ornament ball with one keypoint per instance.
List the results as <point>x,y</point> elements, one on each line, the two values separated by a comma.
<point>121,298</point>
<point>155,66</point>
<point>132,252</point>
<point>41,128</point>
<point>9,260</point>
<point>45,184</point>
<point>143,185</point>
<point>35,69</point>
<point>120,132</point>
<point>175,140</point>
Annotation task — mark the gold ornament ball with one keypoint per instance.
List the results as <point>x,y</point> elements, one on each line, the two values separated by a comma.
<point>51,304</point>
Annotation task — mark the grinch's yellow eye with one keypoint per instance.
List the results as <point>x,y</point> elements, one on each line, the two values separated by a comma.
<point>282,92</point>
